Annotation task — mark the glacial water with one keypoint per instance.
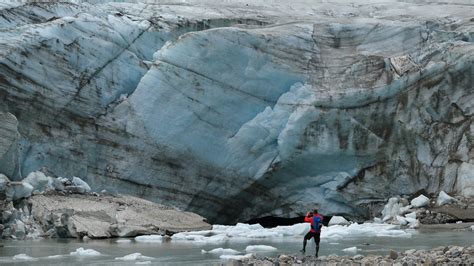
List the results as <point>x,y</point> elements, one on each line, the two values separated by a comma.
<point>189,253</point>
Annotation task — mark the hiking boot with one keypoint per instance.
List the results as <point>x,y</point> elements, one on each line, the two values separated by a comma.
<point>303,251</point>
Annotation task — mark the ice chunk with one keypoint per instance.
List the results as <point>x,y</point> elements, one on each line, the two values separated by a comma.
<point>420,201</point>
<point>220,251</point>
<point>81,252</point>
<point>3,182</point>
<point>444,198</point>
<point>80,183</point>
<point>143,262</point>
<point>411,215</point>
<point>236,257</point>
<point>338,220</point>
<point>18,190</point>
<point>401,220</point>
<point>55,256</point>
<point>24,257</point>
<point>472,227</point>
<point>134,256</point>
<point>352,250</point>
<point>39,181</point>
<point>257,248</point>
<point>366,230</point>
<point>391,209</point>
<point>149,238</point>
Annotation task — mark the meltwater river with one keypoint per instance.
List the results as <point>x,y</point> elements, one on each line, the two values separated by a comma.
<point>57,252</point>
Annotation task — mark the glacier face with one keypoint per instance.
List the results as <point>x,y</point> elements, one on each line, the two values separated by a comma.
<point>238,111</point>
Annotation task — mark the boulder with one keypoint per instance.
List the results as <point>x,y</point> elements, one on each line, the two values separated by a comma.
<point>78,215</point>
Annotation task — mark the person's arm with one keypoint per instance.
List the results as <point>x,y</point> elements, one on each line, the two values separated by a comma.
<point>308,217</point>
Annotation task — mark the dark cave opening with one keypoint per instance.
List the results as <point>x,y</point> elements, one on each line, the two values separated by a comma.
<point>272,221</point>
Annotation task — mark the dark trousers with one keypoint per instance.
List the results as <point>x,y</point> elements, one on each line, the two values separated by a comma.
<point>317,238</point>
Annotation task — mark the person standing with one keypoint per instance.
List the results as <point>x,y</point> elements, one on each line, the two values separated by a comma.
<point>316,221</point>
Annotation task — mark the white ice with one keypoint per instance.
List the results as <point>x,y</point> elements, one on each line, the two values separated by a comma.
<point>221,233</point>
<point>352,250</point>
<point>236,257</point>
<point>123,241</point>
<point>257,248</point>
<point>420,201</point>
<point>221,251</point>
<point>338,220</point>
<point>134,256</point>
<point>81,183</point>
<point>444,198</point>
<point>149,238</point>
<point>23,257</point>
<point>39,181</point>
<point>81,252</point>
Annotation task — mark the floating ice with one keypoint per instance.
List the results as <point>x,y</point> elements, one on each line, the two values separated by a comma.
<point>257,248</point>
<point>55,256</point>
<point>352,250</point>
<point>220,233</point>
<point>420,201</point>
<point>133,256</point>
<point>444,198</point>
<point>149,238</point>
<point>365,230</point>
<point>236,257</point>
<point>123,241</point>
<point>81,252</point>
<point>23,257</point>
<point>221,251</point>
<point>143,262</point>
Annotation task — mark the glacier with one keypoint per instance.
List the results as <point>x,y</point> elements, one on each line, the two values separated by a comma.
<point>242,110</point>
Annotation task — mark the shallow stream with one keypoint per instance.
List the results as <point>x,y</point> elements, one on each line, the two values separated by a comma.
<point>189,253</point>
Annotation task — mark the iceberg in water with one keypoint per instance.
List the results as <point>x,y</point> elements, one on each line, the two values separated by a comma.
<point>81,252</point>
<point>220,233</point>
<point>134,256</point>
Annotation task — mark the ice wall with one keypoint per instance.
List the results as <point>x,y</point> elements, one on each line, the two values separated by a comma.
<point>239,111</point>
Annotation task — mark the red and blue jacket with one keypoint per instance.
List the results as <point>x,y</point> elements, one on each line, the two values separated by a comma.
<point>316,222</point>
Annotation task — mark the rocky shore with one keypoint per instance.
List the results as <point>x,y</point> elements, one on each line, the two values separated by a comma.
<point>56,207</point>
<point>443,255</point>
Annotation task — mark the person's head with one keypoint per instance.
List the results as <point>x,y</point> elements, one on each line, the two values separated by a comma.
<point>315,211</point>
